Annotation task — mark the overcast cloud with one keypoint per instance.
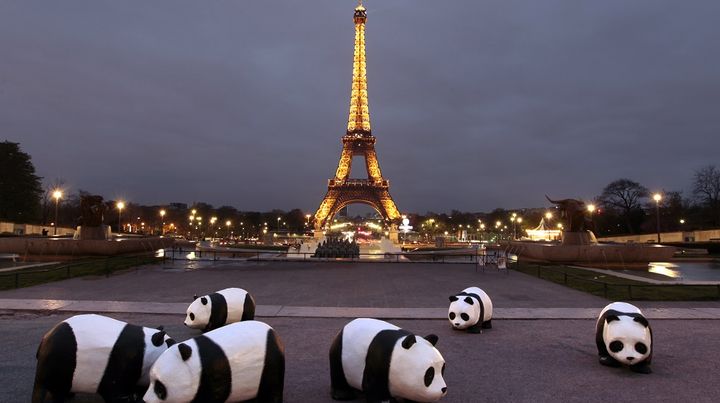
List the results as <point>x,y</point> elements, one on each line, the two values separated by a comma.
<point>475,104</point>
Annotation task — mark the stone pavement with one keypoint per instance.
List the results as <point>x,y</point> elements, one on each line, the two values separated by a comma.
<point>279,311</point>
<point>541,347</point>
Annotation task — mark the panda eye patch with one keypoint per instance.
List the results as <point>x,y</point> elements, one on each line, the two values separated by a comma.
<point>429,375</point>
<point>465,316</point>
<point>616,346</point>
<point>452,315</point>
<point>442,371</point>
<point>160,390</point>
<point>641,348</point>
<point>192,316</point>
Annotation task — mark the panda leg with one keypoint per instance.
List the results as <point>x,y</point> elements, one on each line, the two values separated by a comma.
<point>340,389</point>
<point>476,328</point>
<point>642,368</point>
<point>487,324</point>
<point>609,361</point>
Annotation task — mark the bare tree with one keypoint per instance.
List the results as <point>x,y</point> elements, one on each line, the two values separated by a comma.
<point>706,188</point>
<point>624,195</point>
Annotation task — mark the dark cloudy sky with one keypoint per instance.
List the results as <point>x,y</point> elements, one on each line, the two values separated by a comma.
<point>475,104</point>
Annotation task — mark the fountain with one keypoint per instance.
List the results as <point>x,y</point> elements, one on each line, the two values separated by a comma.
<point>579,245</point>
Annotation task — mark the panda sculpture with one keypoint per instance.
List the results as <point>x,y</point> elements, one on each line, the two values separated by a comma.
<point>238,362</point>
<point>96,354</point>
<point>220,308</point>
<point>385,362</point>
<point>623,336</point>
<point>470,310</point>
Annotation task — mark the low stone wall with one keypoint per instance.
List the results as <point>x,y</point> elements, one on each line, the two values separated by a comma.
<point>62,247</point>
<point>30,229</point>
<point>678,236</point>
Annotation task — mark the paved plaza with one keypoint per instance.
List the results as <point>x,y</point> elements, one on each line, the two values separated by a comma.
<point>541,347</point>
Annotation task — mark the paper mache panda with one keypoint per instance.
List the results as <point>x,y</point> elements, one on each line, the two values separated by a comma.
<point>220,308</point>
<point>385,362</point>
<point>238,362</point>
<point>470,310</point>
<point>96,354</point>
<point>624,337</point>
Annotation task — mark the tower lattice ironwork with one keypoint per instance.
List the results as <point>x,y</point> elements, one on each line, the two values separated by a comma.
<point>357,141</point>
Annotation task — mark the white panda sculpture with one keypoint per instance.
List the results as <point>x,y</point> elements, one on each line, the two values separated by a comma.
<point>238,362</point>
<point>470,310</point>
<point>220,308</point>
<point>385,362</point>
<point>96,354</point>
<point>623,336</point>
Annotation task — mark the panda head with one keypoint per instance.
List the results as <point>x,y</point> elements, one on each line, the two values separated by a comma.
<point>156,342</point>
<point>173,377</point>
<point>464,312</point>
<point>627,338</point>
<point>198,313</point>
<point>417,369</point>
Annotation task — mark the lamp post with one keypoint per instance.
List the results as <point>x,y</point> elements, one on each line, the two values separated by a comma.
<point>57,194</point>
<point>120,206</point>
<point>519,221</point>
<point>278,224</point>
<point>227,224</point>
<point>657,197</point>
<point>162,222</point>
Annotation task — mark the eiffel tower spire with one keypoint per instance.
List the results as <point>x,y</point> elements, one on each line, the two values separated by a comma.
<point>359,117</point>
<point>358,141</point>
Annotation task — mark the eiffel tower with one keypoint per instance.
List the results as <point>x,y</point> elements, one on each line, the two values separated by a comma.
<point>358,141</point>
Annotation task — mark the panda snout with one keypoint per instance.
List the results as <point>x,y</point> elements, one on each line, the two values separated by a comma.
<point>630,358</point>
<point>456,324</point>
<point>444,389</point>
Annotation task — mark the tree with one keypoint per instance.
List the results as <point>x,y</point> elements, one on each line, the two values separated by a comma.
<point>706,188</point>
<point>20,188</point>
<point>624,195</point>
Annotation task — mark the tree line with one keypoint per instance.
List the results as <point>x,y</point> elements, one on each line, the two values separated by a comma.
<point>624,207</point>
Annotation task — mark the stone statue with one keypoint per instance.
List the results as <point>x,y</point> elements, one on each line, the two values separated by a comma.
<point>92,209</point>
<point>91,219</point>
<point>574,212</point>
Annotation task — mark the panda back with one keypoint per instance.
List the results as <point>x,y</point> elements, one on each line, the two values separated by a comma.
<point>243,344</point>
<point>95,336</point>
<point>235,301</point>
<point>357,336</point>
<point>621,307</point>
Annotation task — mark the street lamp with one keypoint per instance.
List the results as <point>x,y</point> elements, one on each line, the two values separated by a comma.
<point>657,197</point>
<point>57,194</point>
<point>548,215</point>
<point>227,224</point>
<point>120,206</point>
<point>162,222</point>
<point>278,224</point>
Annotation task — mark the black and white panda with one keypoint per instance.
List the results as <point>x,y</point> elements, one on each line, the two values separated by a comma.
<point>385,362</point>
<point>220,308</point>
<point>470,310</point>
<point>238,362</point>
<point>623,336</point>
<point>96,354</point>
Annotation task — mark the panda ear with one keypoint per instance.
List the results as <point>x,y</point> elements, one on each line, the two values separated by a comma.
<point>194,297</point>
<point>453,298</point>
<point>185,351</point>
<point>170,342</point>
<point>203,300</point>
<point>469,301</point>
<point>432,338</point>
<point>161,327</point>
<point>611,318</point>
<point>409,341</point>
<point>641,320</point>
<point>157,338</point>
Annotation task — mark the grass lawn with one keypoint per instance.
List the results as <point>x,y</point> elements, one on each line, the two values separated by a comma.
<point>617,288</point>
<point>84,267</point>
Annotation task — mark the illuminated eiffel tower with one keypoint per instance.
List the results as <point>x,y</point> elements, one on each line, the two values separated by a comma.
<point>358,141</point>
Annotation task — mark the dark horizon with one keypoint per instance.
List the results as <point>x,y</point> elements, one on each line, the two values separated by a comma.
<point>475,105</point>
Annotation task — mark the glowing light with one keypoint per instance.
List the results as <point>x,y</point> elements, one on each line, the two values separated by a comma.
<point>120,205</point>
<point>682,221</point>
<point>657,197</point>
<point>227,223</point>
<point>57,194</point>
<point>162,213</point>
<point>591,208</point>
<point>548,215</point>
<point>664,269</point>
